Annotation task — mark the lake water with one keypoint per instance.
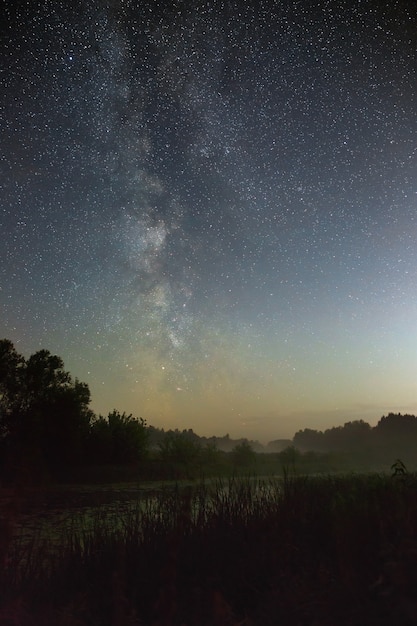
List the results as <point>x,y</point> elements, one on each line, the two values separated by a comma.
<point>40,521</point>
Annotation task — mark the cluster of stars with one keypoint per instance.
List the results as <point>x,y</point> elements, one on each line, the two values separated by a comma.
<point>194,189</point>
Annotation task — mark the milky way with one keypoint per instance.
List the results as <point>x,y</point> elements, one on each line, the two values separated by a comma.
<point>209,208</point>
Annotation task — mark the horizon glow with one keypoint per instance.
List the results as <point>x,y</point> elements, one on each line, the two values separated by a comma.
<point>209,210</point>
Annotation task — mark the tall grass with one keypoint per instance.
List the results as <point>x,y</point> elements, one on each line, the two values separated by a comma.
<point>328,550</point>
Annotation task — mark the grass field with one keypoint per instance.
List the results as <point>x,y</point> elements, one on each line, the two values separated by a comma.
<point>304,550</point>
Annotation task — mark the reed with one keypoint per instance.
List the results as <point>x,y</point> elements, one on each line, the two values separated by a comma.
<point>324,550</point>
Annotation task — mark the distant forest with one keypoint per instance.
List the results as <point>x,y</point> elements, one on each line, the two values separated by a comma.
<point>395,435</point>
<point>49,432</point>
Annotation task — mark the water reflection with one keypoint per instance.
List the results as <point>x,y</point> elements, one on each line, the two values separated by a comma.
<point>41,523</point>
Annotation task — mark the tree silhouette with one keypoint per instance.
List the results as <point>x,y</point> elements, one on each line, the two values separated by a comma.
<point>309,439</point>
<point>44,413</point>
<point>118,439</point>
<point>181,452</point>
<point>243,455</point>
<point>11,382</point>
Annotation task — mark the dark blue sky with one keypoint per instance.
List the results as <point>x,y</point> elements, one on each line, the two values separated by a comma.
<point>209,209</point>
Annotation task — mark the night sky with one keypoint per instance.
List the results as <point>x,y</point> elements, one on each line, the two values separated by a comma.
<point>209,208</point>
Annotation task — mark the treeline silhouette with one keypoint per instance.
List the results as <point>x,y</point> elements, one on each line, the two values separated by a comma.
<point>46,425</point>
<point>394,436</point>
<point>48,431</point>
<point>225,443</point>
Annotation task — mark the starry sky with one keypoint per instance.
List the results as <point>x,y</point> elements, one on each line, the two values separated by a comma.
<point>209,208</point>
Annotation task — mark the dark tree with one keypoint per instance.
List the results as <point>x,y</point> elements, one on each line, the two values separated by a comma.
<point>11,382</point>
<point>119,439</point>
<point>395,435</point>
<point>309,439</point>
<point>181,453</point>
<point>44,413</point>
<point>243,455</point>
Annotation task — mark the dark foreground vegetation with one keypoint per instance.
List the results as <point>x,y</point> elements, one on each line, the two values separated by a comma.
<point>300,551</point>
<point>303,550</point>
